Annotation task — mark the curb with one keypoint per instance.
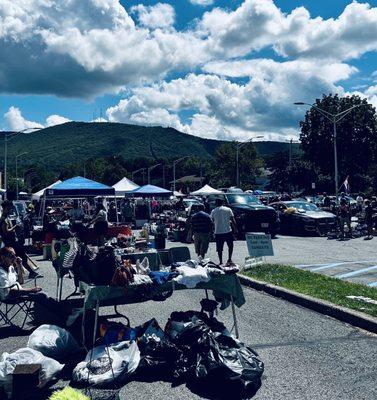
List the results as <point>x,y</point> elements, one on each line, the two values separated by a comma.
<point>324,307</point>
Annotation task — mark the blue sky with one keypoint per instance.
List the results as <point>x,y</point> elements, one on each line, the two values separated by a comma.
<point>227,70</point>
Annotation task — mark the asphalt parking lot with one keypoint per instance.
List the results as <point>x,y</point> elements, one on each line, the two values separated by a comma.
<point>354,259</point>
<point>306,355</point>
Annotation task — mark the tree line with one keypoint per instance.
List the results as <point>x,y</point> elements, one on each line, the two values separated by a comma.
<point>314,163</point>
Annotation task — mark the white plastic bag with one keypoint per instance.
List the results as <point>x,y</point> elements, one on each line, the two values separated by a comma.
<point>53,341</point>
<point>102,366</point>
<point>50,368</point>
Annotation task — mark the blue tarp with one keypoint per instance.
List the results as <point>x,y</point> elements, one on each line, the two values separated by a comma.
<point>150,190</point>
<point>79,186</point>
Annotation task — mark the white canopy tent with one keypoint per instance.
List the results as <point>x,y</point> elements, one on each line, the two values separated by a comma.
<point>38,195</point>
<point>124,186</point>
<point>205,191</point>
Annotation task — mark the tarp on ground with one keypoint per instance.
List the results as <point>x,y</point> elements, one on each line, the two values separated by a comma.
<point>79,187</point>
<point>206,190</point>
<point>124,186</point>
<point>38,195</point>
<point>150,190</point>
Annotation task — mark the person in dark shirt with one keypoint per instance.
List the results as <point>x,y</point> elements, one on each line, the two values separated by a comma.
<point>201,227</point>
<point>344,215</point>
<point>369,219</point>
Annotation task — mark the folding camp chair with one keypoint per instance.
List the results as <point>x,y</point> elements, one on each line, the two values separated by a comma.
<point>12,306</point>
<point>60,274</point>
<point>180,254</point>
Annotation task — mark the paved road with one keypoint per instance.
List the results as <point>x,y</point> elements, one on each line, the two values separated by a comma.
<point>306,355</point>
<point>354,260</point>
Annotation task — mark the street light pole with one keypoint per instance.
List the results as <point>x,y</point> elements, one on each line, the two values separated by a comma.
<point>335,160</point>
<point>238,147</point>
<point>149,172</point>
<point>17,156</point>
<point>135,172</point>
<point>8,135</point>
<point>175,162</point>
<point>334,118</point>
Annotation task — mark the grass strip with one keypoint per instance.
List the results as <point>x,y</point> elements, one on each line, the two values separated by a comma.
<point>316,285</point>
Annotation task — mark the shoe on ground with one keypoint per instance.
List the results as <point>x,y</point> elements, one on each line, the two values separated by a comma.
<point>34,275</point>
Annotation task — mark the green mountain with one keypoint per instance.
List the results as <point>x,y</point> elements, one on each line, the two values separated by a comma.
<point>73,142</point>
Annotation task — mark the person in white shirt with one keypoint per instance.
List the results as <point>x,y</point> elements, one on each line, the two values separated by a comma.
<point>225,229</point>
<point>11,275</point>
<point>359,203</point>
<point>76,213</point>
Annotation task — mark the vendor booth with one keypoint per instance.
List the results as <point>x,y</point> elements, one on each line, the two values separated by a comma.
<point>143,209</point>
<point>80,188</point>
<point>124,186</point>
<point>38,195</point>
<point>151,191</point>
<point>205,191</point>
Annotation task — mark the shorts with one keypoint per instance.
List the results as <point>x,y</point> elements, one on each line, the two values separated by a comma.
<point>222,238</point>
<point>201,241</point>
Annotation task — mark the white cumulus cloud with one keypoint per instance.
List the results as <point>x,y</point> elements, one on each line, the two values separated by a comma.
<point>161,15</point>
<point>202,3</point>
<point>54,119</point>
<point>15,121</point>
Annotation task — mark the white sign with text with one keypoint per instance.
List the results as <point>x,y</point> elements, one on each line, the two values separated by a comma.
<point>259,244</point>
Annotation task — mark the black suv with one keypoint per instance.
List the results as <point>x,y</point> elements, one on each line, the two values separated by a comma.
<point>251,215</point>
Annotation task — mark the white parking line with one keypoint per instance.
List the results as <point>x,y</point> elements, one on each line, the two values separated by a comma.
<point>340,263</point>
<point>322,266</point>
<point>307,265</point>
<point>358,272</point>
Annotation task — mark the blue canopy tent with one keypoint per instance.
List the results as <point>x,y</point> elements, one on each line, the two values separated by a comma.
<point>151,190</point>
<point>77,187</point>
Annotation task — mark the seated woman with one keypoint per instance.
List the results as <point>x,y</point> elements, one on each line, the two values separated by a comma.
<point>11,276</point>
<point>8,232</point>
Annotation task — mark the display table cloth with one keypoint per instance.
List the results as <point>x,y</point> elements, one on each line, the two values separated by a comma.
<point>223,286</point>
<point>226,288</point>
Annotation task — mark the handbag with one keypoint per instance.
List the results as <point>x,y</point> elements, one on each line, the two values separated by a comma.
<point>123,275</point>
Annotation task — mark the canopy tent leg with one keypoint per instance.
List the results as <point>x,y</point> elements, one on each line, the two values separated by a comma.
<point>95,322</point>
<point>116,210</point>
<point>235,326</point>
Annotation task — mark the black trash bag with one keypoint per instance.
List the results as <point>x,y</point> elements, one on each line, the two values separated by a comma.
<point>162,360</point>
<point>187,316</point>
<point>223,363</point>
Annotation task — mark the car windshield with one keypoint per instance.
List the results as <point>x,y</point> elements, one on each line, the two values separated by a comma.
<point>20,208</point>
<point>302,205</point>
<point>246,199</point>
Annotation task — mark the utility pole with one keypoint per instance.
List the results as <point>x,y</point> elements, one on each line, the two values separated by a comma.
<point>334,118</point>
<point>175,162</point>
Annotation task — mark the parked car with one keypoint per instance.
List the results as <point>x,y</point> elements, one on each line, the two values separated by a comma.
<point>191,206</point>
<point>231,189</point>
<point>301,217</point>
<point>250,214</point>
